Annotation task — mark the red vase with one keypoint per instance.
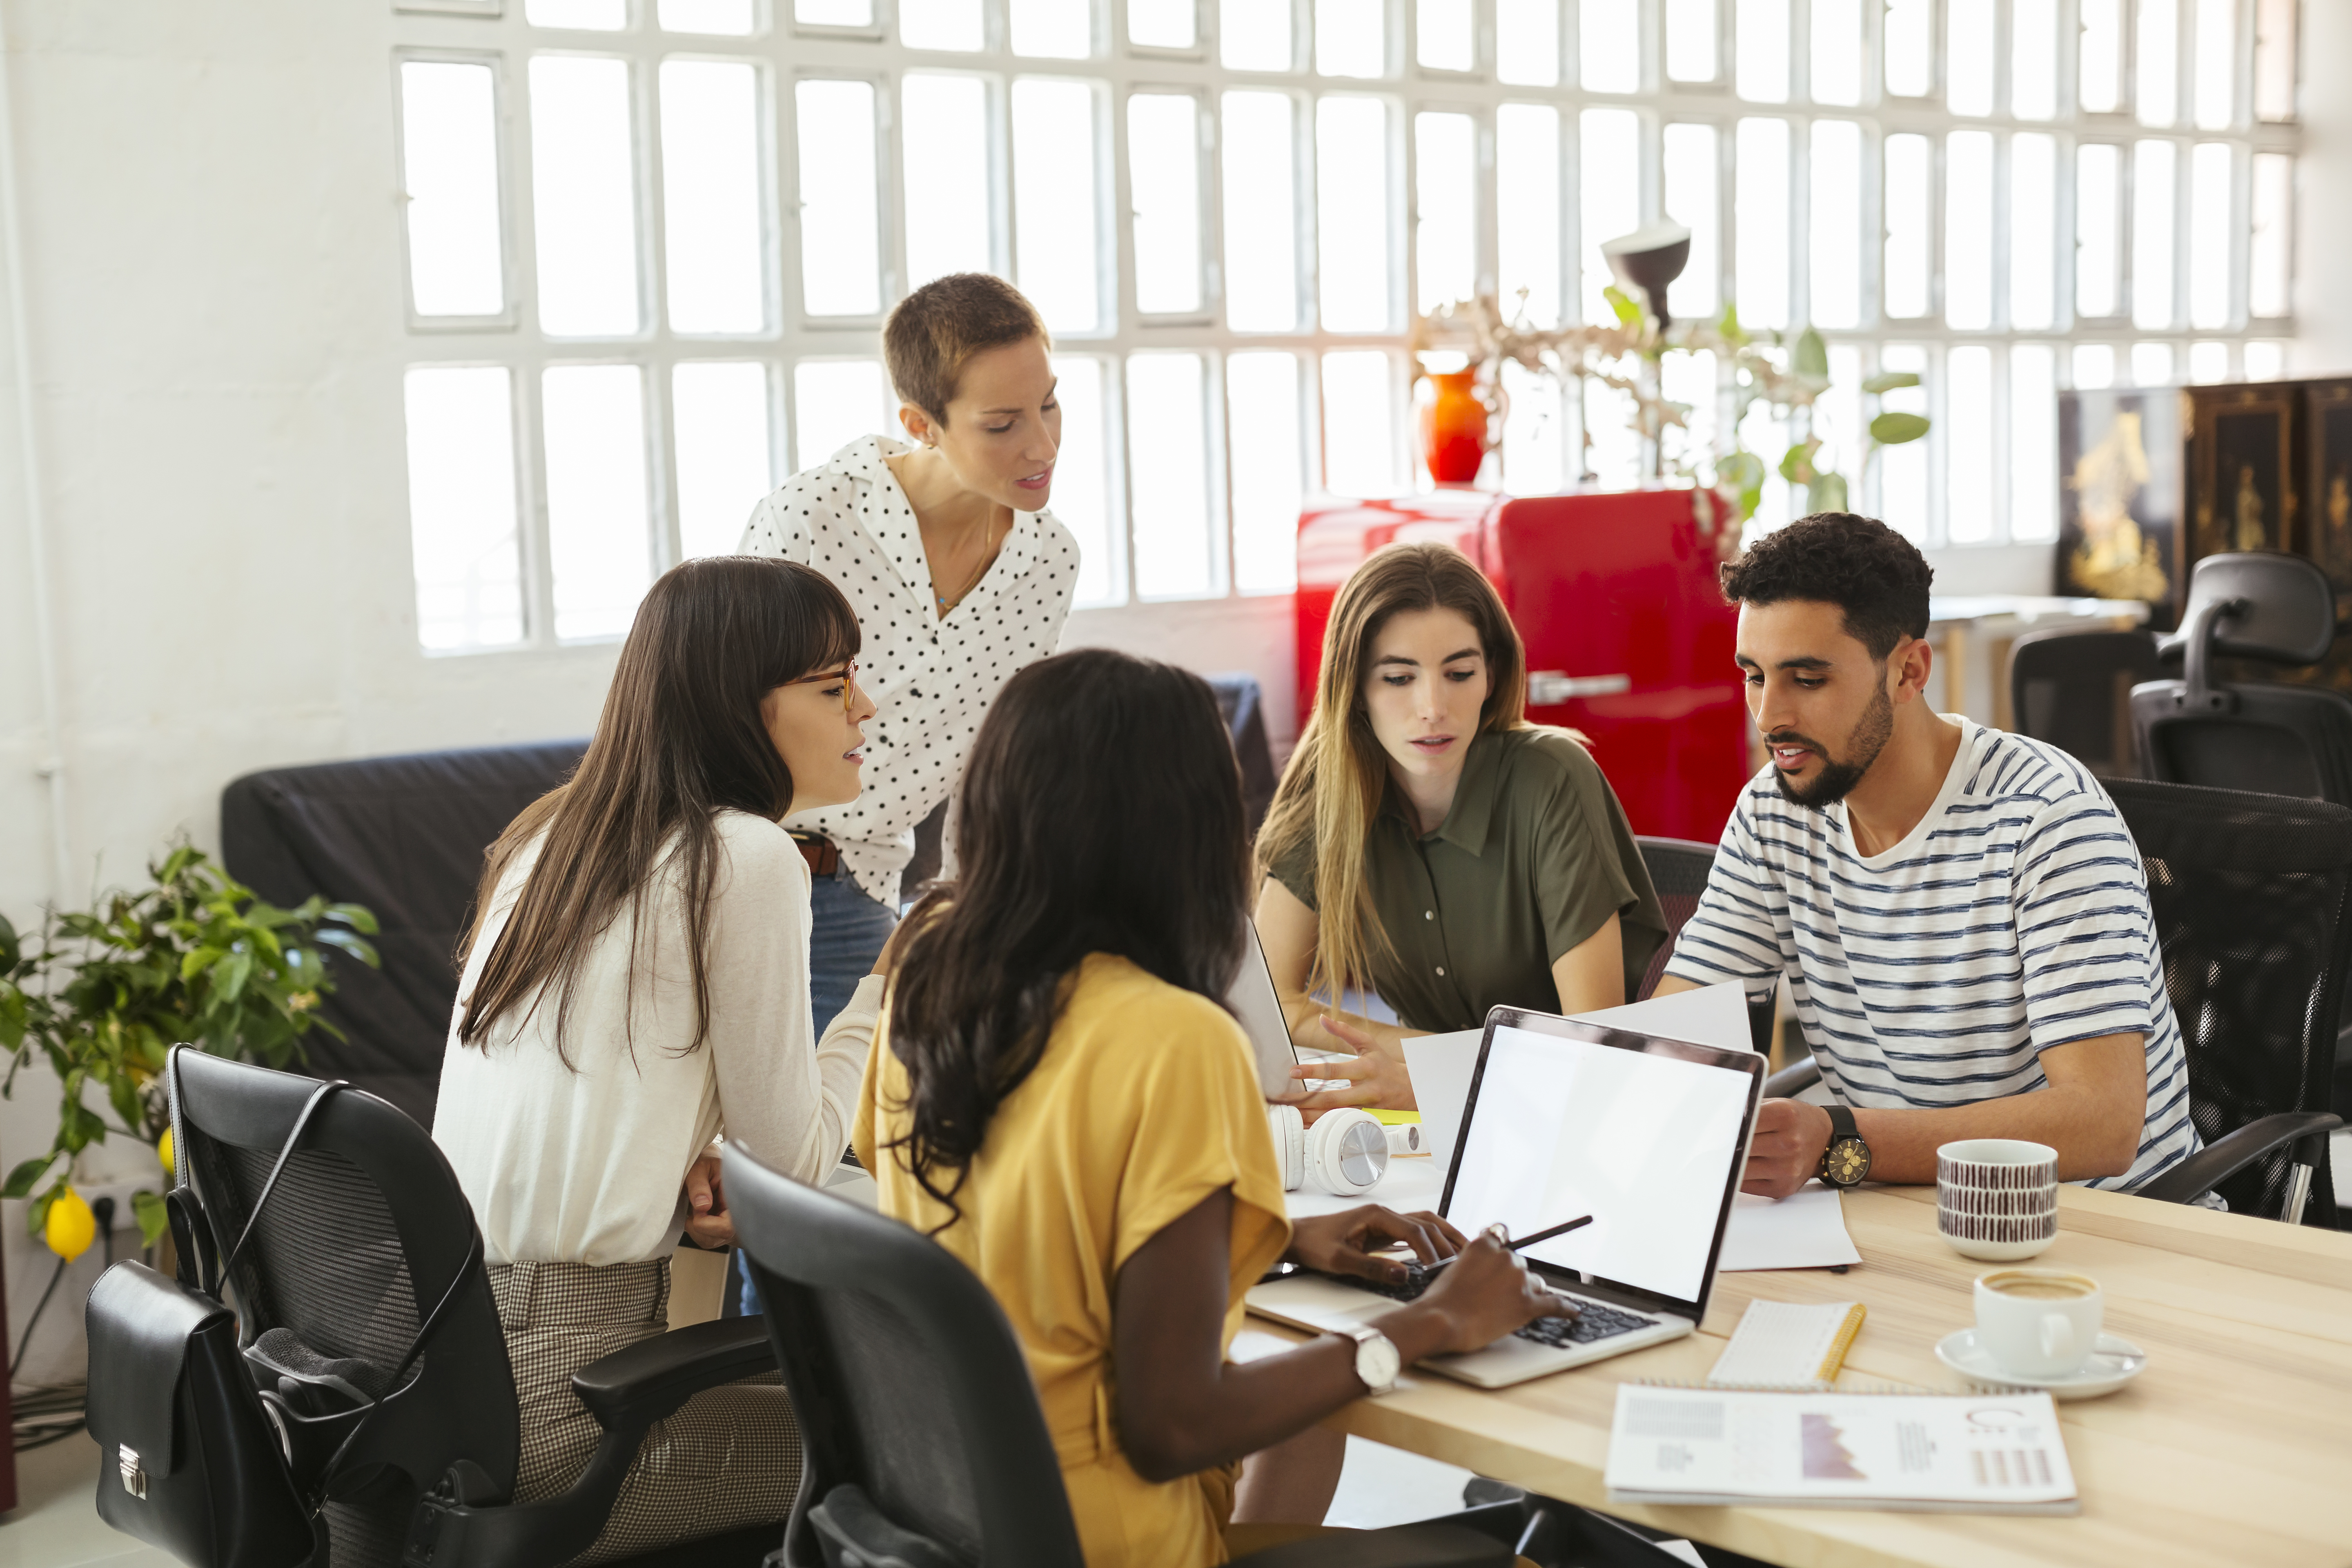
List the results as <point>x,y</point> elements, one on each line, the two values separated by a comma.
<point>1452,427</point>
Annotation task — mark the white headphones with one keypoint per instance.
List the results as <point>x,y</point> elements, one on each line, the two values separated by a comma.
<point>1346,1153</point>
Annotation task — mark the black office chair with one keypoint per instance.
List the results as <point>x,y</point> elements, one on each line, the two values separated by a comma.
<point>2279,740</point>
<point>2073,688</point>
<point>922,1441</point>
<point>2253,899</point>
<point>366,1231</point>
<point>1679,868</point>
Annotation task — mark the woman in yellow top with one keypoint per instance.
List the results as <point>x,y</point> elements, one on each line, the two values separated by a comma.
<point>1430,844</point>
<point>1061,1101</point>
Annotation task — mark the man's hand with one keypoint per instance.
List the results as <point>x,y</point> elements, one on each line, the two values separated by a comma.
<point>1790,1137</point>
<point>1343,1243</point>
<point>1376,1075</point>
<point>707,1221</point>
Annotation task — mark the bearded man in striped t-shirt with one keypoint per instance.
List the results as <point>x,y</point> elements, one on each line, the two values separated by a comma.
<point>1961,913</point>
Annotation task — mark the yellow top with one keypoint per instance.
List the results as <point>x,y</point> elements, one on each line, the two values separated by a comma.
<point>1144,1103</point>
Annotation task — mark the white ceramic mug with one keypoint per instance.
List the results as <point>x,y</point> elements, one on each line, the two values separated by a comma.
<point>1997,1198</point>
<point>2039,1322</point>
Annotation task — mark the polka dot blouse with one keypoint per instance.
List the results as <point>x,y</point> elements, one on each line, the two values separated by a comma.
<point>932,679</point>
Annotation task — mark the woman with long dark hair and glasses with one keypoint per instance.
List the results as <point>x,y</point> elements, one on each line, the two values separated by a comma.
<point>1065,1104</point>
<point>636,984</point>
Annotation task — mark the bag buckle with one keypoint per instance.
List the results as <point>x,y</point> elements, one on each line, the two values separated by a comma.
<point>134,1475</point>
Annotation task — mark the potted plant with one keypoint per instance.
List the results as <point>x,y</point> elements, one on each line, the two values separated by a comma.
<point>103,995</point>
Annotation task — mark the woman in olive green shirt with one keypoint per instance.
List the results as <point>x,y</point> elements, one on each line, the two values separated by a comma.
<point>1432,846</point>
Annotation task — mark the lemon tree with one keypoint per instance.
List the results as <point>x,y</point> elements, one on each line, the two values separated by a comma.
<point>103,994</point>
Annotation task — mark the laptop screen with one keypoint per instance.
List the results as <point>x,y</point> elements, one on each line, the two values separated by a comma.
<point>1569,1118</point>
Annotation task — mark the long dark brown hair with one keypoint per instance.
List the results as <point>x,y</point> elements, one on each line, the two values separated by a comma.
<point>1331,791</point>
<point>1101,812</point>
<point>681,739</point>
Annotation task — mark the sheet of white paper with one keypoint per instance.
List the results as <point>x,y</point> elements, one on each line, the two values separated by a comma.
<point>1803,1230</point>
<point>1441,1065</point>
<point>1710,1016</point>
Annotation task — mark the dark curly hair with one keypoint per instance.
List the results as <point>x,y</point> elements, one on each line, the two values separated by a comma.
<point>1858,564</point>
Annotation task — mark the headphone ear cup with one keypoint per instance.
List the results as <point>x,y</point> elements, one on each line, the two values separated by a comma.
<point>1347,1152</point>
<point>1289,1129</point>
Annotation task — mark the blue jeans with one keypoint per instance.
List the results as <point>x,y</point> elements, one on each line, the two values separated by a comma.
<point>848,930</point>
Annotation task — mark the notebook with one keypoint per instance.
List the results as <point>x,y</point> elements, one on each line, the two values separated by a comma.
<point>1787,1344</point>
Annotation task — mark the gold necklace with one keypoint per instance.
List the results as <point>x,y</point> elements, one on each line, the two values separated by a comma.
<point>988,559</point>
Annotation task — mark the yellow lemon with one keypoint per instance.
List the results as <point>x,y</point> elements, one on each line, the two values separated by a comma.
<point>163,1153</point>
<point>72,1226</point>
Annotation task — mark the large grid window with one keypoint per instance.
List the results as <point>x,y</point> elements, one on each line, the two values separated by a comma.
<point>650,244</point>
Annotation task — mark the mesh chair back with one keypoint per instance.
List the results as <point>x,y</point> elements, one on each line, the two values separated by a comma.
<point>906,1378</point>
<point>1678,869</point>
<point>2073,688</point>
<point>366,1232</point>
<point>2250,894</point>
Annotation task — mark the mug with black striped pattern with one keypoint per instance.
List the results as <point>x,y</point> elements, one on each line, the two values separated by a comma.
<point>1997,1198</point>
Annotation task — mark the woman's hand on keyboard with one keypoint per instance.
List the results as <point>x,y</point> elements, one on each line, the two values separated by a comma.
<point>1346,1243</point>
<point>1483,1294</point>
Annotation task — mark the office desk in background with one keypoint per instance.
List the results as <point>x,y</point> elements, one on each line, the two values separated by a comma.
<point>1971,633</point>
<point>2234,1446</point>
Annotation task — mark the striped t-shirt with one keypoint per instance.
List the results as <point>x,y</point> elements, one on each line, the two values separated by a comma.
<point>2012,919</point>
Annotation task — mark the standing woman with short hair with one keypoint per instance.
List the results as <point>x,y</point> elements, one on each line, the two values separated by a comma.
<point>959,574</point>
<point>636,984</point>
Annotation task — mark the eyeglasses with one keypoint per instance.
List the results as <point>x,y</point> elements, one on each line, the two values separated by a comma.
<point>846,675</point>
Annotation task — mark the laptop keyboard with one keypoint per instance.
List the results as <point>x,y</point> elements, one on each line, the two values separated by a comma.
<point>1595,1320</point>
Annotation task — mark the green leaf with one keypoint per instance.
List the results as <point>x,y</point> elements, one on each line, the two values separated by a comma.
<point>1827,493</point>
<point>1740,472</point>
<point>1895,429</point>
<point>12,951</point>
<point>1797,462</point>
<point>21,1179</point>
<point>1628,312</point>
<point>365,952</point>
<point>154,1217</point>
<point>196,960</point>
<point>1812,356</point>
<point>238,968</point>
<point>359,917</point>
<point>1887,381</point>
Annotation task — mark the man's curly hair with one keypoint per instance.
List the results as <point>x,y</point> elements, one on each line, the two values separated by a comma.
<point>1858,564</point>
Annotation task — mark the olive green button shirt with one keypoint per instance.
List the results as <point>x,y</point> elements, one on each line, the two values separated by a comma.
<point>1534,856</point>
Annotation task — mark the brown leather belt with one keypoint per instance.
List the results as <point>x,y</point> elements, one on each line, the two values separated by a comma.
<point>823,857</point>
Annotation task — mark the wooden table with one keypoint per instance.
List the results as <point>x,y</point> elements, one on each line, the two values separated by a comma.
<point>2234,1446</point>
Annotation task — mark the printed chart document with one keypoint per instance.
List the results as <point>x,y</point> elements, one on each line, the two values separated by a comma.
<point>1971,1452</point>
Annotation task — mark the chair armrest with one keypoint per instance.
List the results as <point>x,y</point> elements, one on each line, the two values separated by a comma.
<point>2218,1161</point>
<point>1793,1080</point>
<point>637,1386</point>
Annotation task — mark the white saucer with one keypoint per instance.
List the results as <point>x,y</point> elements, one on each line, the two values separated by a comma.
<point>2114,1362</point>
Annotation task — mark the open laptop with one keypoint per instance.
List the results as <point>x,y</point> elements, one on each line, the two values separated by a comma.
<point>1648,1135</point>
<point>1253,1002</point>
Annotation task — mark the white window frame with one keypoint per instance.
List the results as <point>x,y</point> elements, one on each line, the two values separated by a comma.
<point>786,53</point>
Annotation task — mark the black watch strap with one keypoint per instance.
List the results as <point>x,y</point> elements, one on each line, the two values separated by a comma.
<point>1841,1123</point>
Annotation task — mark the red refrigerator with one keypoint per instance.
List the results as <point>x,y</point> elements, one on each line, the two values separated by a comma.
<point>1615,596</point>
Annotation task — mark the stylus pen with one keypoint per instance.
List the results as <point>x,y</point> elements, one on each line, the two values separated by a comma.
<point>1579,1223</point>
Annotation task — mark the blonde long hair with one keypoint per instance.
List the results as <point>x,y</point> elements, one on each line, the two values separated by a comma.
<point>1332,787</point>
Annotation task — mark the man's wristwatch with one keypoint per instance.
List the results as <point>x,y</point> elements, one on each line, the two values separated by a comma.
<point>1846,1161</point>
<point>1377,1361</point>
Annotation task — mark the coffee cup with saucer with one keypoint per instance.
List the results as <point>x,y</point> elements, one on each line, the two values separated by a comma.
<point>2039,1328</point>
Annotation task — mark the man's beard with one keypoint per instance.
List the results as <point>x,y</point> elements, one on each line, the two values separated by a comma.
<point>1837,779</point>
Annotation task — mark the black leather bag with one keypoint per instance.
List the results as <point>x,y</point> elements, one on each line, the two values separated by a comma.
<point>191,1463</point>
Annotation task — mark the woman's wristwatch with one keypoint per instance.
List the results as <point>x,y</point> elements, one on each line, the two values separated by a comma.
<point>1376,1361</point>
<point>1846,1161</point>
